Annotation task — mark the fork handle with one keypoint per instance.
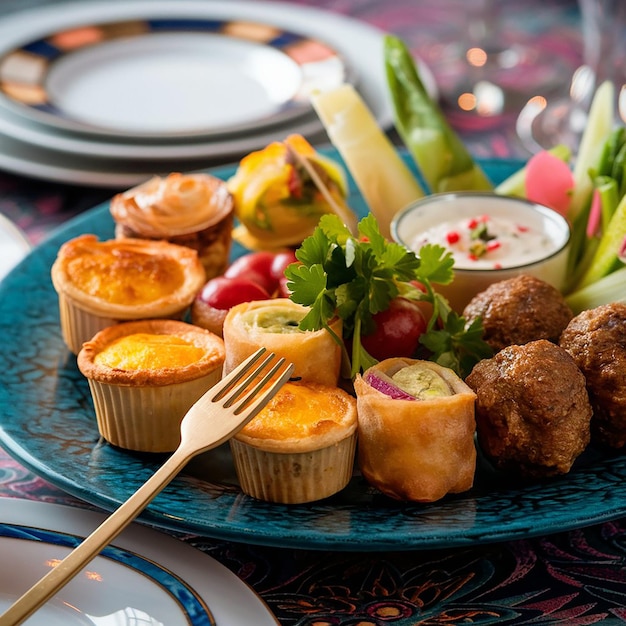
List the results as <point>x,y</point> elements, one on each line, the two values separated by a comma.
<point>90,547</point>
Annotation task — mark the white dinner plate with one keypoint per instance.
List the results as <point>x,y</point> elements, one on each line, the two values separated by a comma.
<point>168,77</point>
<point>19,129</point>
<point>42,151</point>
<point>14,245</point>
<point>143,577</point>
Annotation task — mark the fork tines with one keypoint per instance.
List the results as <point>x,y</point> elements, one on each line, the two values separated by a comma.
<point>259,377</point>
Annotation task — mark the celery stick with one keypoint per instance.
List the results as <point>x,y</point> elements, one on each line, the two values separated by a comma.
<point>596,133</point>
<point>441,156</point>
<point>604,291</point>
<point>609,197</point>
<point>515,184</point>
<point>606,258</point>
<point>383,178</point>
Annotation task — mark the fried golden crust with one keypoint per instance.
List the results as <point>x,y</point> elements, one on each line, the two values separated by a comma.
<point>596,339</point>
<point>532,410</point>
<point>519,310</point>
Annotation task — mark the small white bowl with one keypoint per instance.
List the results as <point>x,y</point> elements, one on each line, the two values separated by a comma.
<point>538,244</point>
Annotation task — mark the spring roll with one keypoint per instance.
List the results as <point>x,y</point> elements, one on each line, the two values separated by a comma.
<point>273,324</point>
<point>415,429</point>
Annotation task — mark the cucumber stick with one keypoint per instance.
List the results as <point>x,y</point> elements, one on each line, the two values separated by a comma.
<point>383,178</point>
<point>606,257</point>
<point>596,133</point>
<point>438,151</point>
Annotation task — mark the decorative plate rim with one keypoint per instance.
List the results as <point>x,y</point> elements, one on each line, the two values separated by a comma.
<point>356,519</point>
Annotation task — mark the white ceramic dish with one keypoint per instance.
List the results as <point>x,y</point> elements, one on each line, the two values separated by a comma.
<point>145,577</point>
<point>14,245</point>
<point>163,78</point>
<point>549,235</point>
<point>41,151</point>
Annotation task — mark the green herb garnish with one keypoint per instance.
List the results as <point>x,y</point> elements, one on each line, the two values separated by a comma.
<point>356,277</point>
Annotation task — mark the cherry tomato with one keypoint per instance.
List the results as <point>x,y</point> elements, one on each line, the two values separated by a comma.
<point>281,261</point>
<point>255,266</point>
<point>224,293</point>
<point>398,330</point>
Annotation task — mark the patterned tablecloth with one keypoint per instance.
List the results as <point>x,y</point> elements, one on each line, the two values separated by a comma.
<point>575,577</point>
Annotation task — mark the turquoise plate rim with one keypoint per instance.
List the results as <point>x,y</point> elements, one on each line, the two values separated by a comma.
<point>47,424</point>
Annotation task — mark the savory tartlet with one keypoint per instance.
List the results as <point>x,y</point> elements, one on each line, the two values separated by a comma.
<point>100,283</point>
<point>416,430</point>
<point>274,324</point>
<point>194,210</point>
<point>145,375</point>
<point>300,447</point>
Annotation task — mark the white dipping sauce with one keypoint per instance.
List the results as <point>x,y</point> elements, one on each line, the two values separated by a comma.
<point>487,242</point>
<point>520,237</point>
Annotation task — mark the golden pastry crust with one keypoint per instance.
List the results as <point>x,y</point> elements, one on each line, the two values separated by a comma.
<point>300,447</point>
<point>208,347</point>
<point>193,210</point>
<point>302,417</point>
<point>178,204</point>
<point>417,450</point>
<point>127,279</point>
<point>315,354</point>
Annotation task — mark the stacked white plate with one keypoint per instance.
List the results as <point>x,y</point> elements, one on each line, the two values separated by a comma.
<point>109,93</point>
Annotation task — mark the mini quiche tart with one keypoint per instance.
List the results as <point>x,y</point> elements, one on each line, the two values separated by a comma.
<point>194,210</point>
<point>300,447</point>
<point>273,324</point>
<point>416,429</point>
<point>145,375</point>
<point>100,283</point>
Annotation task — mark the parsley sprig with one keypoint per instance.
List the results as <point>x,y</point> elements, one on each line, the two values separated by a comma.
<point>354,278</point>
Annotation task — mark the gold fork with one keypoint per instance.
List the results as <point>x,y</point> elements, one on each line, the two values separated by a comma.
<point>218,415</point>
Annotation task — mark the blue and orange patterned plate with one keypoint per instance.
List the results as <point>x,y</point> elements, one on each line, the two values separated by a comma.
<point>48,424</point>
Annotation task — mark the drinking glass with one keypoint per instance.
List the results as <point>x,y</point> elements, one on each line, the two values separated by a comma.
<point>489,64</point>
<point>546,122</point>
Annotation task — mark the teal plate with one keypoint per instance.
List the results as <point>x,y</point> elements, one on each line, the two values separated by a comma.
<point>48,424</point>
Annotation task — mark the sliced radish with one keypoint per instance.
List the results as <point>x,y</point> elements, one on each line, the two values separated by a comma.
<point>549,181</point>
<point>387,387</point>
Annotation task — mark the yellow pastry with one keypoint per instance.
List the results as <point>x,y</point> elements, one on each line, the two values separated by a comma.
<point>194,210</point>
<point>416,430</point>
<point>273,324</point>
<point>145,375</point>
<point>100,283</point>
<point>282,191</point>
<point>300,447</point>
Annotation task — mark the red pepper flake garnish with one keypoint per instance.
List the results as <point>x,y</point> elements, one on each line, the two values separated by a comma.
<point>522,229</point>
<point>472,224</point>
<point>472,257</point>
<point>497,266</point>
<point>483,218</point>
<point>452,237</point>
<point>493,245</point>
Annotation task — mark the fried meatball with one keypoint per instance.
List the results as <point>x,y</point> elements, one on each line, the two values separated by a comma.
<point>596,339</point>
<point>518,310</point>
<point>532,409</point>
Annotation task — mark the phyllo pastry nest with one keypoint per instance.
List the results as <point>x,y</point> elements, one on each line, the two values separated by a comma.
<point>273,324</point>
<point>300,447</point>
<point>194,210</point>
<point>416,430</point>
<point>100,283</point>
<point>145,375</point>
